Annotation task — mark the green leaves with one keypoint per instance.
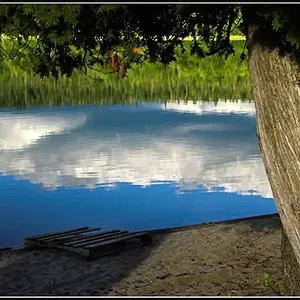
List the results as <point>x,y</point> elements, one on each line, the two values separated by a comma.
<point>96,30</point>
<point>4,11</point>
<point>285,22</point>
<point>47,15</point>
<point>71,13</point>
<point>106,8</point>
<point>269,282</point>
<point>50,15</point>
<point>29,9</point>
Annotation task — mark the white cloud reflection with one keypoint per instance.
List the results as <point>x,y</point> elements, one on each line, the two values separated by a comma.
<point>83,156</point>
<point>221,107</point>
<point>21,130</point>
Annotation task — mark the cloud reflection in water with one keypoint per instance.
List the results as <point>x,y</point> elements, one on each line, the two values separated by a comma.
<point>189,144</point>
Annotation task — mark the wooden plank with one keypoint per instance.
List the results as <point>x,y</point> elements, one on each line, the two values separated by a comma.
<point>83,237</point>
<point>88,237</point>
<point>111,248</point>
<point>67,236</point>
<point>54,233</point>
<point>80,251</point>
<point>36,244</point>
<point>118,245</point>
<point>119,239</point>
<point>107,245</point>
<point>99,239</point>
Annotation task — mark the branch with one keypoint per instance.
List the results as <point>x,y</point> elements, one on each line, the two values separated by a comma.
<point>231,22</point>
<point>24,47</point>
<point>9,56</point>
<point>96,79</point>
<point>84,56</point>
<point>237,24</point>
<point>227,38</point>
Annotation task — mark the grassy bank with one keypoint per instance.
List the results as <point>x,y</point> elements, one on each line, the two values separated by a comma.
<point>189,78</point>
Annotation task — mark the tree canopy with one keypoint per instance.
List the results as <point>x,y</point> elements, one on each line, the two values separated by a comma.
<point>56,39</point>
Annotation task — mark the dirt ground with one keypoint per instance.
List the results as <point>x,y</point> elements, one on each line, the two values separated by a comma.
<point>226,258</point>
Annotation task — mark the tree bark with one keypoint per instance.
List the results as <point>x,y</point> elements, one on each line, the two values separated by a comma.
<point>276,88</point>
<point>291,268</point>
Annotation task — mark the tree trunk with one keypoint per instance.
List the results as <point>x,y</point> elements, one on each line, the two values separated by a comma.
<point>291,268</point>
<point>276,87</point>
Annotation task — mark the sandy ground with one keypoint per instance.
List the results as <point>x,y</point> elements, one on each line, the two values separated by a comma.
<point>228,258</point>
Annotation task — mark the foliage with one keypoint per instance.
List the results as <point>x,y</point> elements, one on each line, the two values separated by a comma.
<point>285,21</point>
<point>56,39</point>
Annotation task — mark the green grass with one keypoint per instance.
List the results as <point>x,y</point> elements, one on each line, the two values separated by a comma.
<point>189,78</point>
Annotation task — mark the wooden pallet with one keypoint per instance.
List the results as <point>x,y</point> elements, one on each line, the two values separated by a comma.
<point>90,242</point>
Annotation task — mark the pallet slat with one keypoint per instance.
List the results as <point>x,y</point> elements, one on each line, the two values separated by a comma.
<point>99,239</point>
<point>67,235</point>
<point>80,240</point>
<point>120,239</point>
<point>87,236</point>
<point>55,233</point>
<point>116,245</point>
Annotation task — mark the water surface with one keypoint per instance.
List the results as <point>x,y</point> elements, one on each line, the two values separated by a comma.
<point>131,167</point>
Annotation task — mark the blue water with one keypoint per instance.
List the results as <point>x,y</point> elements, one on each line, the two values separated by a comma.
<point>128,167</point>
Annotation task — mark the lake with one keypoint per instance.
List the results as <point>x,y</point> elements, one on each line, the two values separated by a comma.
<point>133,167</point>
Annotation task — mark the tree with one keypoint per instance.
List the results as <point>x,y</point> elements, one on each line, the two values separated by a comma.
<point>56,39</point>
